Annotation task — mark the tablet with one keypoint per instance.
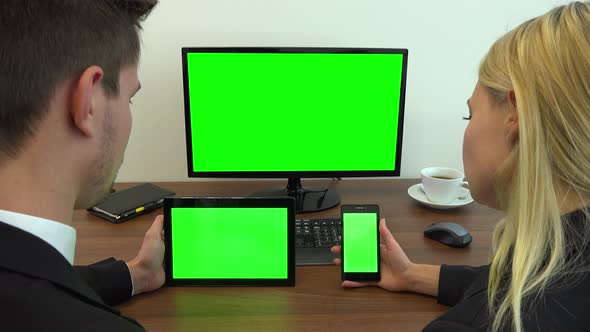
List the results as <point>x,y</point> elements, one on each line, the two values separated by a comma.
<point>229,241</point>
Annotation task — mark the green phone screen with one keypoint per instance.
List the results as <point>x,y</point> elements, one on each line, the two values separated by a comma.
<point>360,242</point>
<point>229,243</point>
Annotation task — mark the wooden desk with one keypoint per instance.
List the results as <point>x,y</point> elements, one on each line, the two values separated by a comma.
<point>317,302</point>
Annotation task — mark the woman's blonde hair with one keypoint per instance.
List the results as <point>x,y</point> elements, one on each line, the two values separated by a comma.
<point>546,62</point>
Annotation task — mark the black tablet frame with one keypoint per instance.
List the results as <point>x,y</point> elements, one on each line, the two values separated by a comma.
<point>245,202</point>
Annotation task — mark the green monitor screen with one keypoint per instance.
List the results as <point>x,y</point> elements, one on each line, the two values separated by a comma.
<point>294,113</point>
<point>240,243</point>
<point>361,241</point>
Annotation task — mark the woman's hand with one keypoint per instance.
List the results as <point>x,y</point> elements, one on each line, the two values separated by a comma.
<point>394,264</point>
<point>398,273</point>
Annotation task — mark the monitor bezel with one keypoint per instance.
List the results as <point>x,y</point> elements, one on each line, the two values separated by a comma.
<point>294,174</point>
<point>229,202</point>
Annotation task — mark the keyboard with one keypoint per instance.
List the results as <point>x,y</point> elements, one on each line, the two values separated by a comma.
<point>317,233</point>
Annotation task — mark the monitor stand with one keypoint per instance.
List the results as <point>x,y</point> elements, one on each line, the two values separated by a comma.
<point>306,199</point>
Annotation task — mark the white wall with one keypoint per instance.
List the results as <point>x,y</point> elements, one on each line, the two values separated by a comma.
<point>446,41</point>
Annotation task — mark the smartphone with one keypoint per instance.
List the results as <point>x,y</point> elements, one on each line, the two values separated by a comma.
<point>360,243</point>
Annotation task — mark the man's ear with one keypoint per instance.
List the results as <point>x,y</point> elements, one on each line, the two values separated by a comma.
<point>85,90</point>
<point>512,131</point>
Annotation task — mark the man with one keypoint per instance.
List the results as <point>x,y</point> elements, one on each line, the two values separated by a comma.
<point>68,71</point>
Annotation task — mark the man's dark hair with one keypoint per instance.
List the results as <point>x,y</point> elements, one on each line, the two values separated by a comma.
<point>45,42</point>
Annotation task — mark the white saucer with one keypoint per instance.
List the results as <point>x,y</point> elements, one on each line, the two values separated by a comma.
<point>418,194</point>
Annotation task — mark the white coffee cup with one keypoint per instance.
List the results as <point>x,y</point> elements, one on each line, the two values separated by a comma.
<point>442,184</point>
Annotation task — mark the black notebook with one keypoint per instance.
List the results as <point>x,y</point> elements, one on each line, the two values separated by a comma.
<point>128,203</point>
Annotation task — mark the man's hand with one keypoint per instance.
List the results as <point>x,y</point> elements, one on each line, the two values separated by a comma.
<point>147,268</point>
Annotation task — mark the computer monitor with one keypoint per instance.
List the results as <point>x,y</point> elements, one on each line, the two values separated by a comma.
<point>294,113</point>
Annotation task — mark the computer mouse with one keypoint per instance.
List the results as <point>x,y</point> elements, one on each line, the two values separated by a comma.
<point>449,233</point>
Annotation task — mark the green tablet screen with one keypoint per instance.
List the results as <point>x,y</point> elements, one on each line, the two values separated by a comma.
<point>229,243</point>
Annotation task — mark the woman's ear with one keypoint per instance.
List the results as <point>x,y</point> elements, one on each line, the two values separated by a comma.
<point>512,98</point>
<point>512,131</point>
<point>82,100</point>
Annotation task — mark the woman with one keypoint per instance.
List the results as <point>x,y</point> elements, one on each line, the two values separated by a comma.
<point>526,151</point>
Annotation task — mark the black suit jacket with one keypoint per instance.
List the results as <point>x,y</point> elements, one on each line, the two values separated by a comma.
<point>563,306</point>
<point>41,291</point>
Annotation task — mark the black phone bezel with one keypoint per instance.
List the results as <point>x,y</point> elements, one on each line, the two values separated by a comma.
<point>360,276</point>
